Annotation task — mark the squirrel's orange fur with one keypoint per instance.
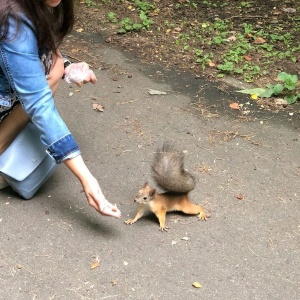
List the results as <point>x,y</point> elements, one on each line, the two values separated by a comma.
<point>169,174</point>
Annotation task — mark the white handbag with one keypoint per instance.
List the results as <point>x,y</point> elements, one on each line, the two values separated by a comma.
<point>25,164</point>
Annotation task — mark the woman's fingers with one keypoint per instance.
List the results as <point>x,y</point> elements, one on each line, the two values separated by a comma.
<point>112,211</point>
<point>93,77</point>
<point>89,77</point>
<point>104,207</point>
<point>79,73</point>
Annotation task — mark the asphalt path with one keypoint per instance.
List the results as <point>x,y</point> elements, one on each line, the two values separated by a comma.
<point>247,166</point>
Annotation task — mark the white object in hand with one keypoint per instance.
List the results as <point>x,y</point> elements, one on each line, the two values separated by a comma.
<point>75,76</point>
<point>109,209</point>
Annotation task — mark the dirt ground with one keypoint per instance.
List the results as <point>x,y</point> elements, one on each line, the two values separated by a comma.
<point>171,17</point>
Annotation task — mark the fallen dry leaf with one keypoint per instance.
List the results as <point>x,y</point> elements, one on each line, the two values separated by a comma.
<point>239,197</point>
<point>80,30</point>
<point>259,40</point>
<point>98,107</point>
<point>197,285</point>
<point>153,14</point>
<point>177,29</point>
<point>75,50</point>
<point>95,264</point>
<point>156,92</point>
<point>231,39</point>
<point>234,105</point>
<point>211,64</point>
<point>248,58</point>
<point>115,78</point>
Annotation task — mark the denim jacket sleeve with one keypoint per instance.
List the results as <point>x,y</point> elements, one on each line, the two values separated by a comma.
<point>20,62</point>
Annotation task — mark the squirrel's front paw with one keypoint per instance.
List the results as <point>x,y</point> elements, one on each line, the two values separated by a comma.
<point>203,216</point>
<point>163,228</point>
<point>129,221</point>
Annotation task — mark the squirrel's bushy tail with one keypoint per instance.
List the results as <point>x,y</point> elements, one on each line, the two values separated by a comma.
<point>168,170</point>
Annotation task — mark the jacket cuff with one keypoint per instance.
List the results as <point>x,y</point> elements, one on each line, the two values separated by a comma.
<point>64,148</point>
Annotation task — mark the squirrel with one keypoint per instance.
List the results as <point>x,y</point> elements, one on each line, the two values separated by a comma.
<point>169,174</point>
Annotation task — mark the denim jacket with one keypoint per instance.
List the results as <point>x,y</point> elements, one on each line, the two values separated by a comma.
<point>22,75</point>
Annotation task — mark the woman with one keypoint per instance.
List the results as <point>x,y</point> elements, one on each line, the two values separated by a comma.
<point>31,67</point>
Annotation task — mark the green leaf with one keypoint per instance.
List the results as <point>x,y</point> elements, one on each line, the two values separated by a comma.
<point>290,99</point>
<point>288,79</point>
<point>254,91</point>
<point>137,26</point>
<point>227,66</point>
<point>292,80</point>
<point>125,21</point>
<point>268,93</point>
<point>143,16</point>
<point>277,89</point>
<point>270,86</point>
<point>198,52</point>
<point>238,70</point>
<point>282,76</point>
<point>290,87</point>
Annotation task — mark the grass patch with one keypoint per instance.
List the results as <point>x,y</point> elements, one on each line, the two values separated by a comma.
<point>251,40</point>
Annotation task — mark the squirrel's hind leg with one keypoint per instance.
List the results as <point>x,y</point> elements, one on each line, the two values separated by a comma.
<point>193,209</point>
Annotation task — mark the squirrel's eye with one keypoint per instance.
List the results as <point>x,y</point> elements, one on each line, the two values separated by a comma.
<point>145,198</point>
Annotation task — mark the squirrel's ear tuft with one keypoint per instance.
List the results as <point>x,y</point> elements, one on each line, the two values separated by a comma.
<point>145,184</point>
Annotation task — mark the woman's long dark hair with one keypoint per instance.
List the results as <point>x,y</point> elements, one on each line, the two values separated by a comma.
<point>51,24</point>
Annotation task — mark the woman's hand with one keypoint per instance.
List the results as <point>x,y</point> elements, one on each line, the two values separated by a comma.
<point>97,200</point>
<point>91,188</point>
<point>79,73</point>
